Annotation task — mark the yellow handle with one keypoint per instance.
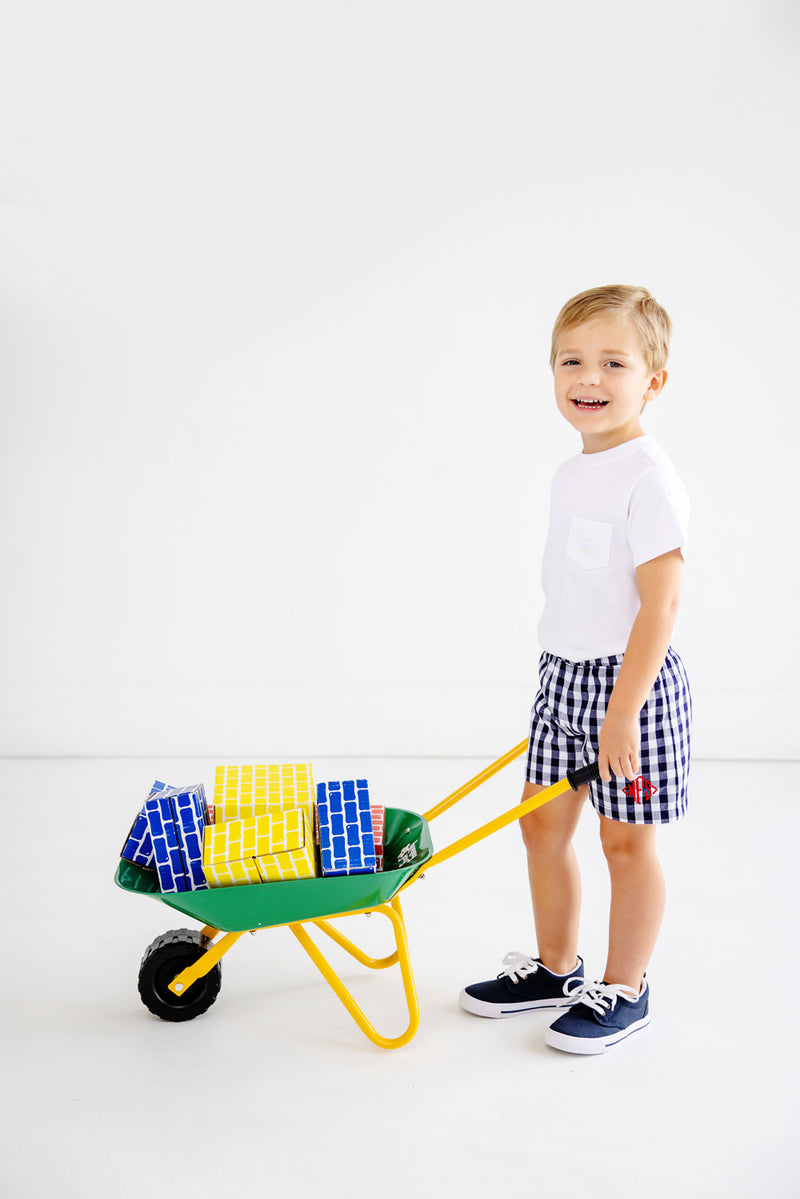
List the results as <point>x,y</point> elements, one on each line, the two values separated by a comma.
<point>486,830</point>
<point>516,752</point>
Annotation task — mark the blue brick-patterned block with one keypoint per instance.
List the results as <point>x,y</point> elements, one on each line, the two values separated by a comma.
<point>191,817</point>
<point>139,845</point>
<point>176,817</point>
<point>166,850</point>
<point>346,841</point>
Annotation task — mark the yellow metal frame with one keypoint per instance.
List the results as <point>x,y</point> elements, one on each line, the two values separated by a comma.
<point>393,912</point>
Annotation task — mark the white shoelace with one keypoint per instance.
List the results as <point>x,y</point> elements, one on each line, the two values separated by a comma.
<point>517,966</point>
<point>602,997</point>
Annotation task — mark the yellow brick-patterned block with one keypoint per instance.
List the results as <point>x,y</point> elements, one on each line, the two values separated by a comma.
<point>229,853</point>
<point>231,874</point>
<point>269,848</point>
<point>236,839</point>
<point>249,791</point>
<point>293,854</point>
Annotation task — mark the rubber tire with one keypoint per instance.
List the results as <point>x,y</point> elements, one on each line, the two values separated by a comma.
<point>163,959</point>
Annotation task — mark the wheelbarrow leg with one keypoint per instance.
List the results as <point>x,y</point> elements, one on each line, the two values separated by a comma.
<point>353,950</point>
<point>394,914</point>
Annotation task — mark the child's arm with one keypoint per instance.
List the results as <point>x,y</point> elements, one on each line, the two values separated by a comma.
<point>659,582</point>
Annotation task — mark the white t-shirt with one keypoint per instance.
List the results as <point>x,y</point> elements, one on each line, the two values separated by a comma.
<point>609,513</point>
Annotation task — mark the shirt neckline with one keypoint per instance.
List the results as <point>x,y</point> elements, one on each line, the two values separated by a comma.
<point>617,451</point>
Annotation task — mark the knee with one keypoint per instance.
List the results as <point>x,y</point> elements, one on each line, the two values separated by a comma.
<point>625,845</point>
<point>541,839</point>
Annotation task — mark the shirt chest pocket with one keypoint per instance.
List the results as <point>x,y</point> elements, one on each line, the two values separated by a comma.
<point>589,542</point>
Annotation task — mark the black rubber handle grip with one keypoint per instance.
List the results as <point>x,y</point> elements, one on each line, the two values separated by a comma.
<point>586,774</point>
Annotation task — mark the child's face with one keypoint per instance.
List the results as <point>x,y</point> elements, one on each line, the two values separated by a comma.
<point>602,382</point>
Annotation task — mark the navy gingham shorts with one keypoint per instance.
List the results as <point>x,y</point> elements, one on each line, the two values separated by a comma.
<point>567,714</point>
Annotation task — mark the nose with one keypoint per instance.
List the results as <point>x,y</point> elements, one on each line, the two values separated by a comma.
<point>589,377</point>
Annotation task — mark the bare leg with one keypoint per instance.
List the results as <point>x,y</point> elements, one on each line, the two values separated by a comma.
<point>637,899</point>
<point>554,876</point>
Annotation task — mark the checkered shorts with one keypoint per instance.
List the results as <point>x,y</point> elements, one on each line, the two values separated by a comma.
<point>565,726</point>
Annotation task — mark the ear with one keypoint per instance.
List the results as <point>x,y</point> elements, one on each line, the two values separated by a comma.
<point>657,384</point>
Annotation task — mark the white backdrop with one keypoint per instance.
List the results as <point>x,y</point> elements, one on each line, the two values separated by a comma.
<point>277,284</point>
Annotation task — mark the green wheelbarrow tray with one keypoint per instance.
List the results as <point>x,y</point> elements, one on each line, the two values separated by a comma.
<point>180,975</point>
<point>252,906</point>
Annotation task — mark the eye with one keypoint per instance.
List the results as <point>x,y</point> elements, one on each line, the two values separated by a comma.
<point>570,362</point>
<point>621,365</point>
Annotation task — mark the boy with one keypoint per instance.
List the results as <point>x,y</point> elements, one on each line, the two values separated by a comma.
<point>611,687</point>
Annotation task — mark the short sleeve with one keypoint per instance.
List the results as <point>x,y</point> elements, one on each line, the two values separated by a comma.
<point>658,515</point>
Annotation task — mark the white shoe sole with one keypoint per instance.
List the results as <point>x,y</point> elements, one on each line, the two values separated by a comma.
<point>496,1011</point>
<point>567,1044</point>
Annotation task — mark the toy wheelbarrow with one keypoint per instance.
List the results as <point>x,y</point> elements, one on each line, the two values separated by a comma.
<point>180,975</point>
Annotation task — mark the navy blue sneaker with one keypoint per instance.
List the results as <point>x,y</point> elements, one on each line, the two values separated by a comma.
<point>523,985</point>
<point>604,1014</point>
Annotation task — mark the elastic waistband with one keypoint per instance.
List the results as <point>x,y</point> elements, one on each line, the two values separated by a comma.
<point>587,663</point>
<point>595,663</point>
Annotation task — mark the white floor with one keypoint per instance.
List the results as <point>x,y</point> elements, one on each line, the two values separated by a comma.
<point>276,1092</point>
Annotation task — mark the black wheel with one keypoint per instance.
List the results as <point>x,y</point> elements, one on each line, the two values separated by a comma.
<point>167,956</point>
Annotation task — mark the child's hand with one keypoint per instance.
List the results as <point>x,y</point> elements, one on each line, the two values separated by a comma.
<point>619,747</point>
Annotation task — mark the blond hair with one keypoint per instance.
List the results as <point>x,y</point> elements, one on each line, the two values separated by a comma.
<point>617,300</point>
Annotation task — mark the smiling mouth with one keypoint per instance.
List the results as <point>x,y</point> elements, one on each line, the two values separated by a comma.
<point>589,405</point>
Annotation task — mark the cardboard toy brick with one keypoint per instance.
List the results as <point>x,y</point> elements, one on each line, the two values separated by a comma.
<point>269,848</point>
<point>231,874</point>
<point>176,818</point>
<point>378,812</point>
<point>138,845</point>
<point>346,841</point>
<point>244,791</point>
<point>292,851</point>
<point>191,818</point>
<point>167,852</point>
<point>378,829</point>
<point>229,853</point>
